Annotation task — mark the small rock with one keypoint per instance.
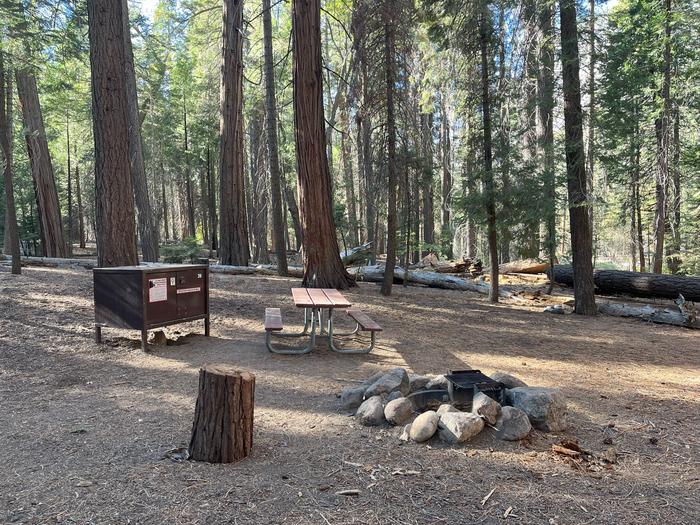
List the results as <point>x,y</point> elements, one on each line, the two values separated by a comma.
<point>394,395</point>
<point>486,407</point>
<point>417,382</point>
<point>458,427</point>
<point>512,424</point>
<point>445,408</point>
<point>371,412</point>
<point>557,309</point>
<point>406,433</point>
<point>158,338</point>
<point>424,426</point>
<point>352,396</point>
<point>398,411</point>
<point>508,380</point>
<point>437,383</point>
<point>396,379</point>
<point>546,407</point>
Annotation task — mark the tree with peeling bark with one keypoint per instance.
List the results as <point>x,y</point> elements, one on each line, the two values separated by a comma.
<point>233,240</point>
<point>323,267</point>
<point>114,206</point>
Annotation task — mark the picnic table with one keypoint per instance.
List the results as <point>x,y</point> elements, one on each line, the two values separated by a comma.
<point>319,305</point>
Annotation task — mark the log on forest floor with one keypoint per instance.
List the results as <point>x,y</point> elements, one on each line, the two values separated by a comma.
<point>678,315</point>
<point>528,266</point>
<point>375,274</point>
<point>356,255</point>
<point>636,283</point>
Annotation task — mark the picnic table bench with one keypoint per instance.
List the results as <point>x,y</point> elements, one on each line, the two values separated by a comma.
<point>319,305</point>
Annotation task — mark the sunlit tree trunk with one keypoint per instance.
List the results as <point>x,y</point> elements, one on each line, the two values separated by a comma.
<point>278,225</point>
<point>11,236</point>
<point>580,225</point>
<point>391,147</point>
<point>114,206</point>
<point>322,265</point>
<point>148,232</point>
<point>233,241</point>
<point>446,157</point>
<point>54,243</point>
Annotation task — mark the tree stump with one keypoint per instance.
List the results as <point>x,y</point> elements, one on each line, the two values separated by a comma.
<point>222,431</point>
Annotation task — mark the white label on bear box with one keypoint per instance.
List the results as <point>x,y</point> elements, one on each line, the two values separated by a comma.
<point>189,290</point>
<point>157,290</point>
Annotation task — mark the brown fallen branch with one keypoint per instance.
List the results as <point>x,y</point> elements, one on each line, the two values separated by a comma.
<point>636,284</point>
<point>680,315</point>
<point>357,255</point>
<point>375,274</point>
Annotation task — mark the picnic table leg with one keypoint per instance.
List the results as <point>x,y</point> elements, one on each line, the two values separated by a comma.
<point>299,350</point>
<point>364,350</point>
<point>308,321</point>
<point>342,334</point>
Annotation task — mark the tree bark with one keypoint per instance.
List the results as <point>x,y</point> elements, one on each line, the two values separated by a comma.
<point>233,241</point>
<point>391,147</point>
<point>489,190</point>
<point>259,209</point>
<point>648,313</point>
<point>54,243</point>
<point>581,237</point>
<point>278,225</point>
<point>322,265</point>
<point>81,212</point>
<point>11,236</point>
<point>545,126</point>
<point>69,189</point>
<point>446,202</point>
<point>148,232</point>
<point>114,206</point>
<point>222,431</point>
<point>214,228</point>
<point>189,194</point>
<point>662,149</point>
<point>636,283</point>
<point>348,177</point>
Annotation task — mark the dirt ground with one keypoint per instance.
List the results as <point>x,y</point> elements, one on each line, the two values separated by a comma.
<point>84,428</point>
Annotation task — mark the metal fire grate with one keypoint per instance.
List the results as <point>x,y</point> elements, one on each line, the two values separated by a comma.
<point>463,384</point>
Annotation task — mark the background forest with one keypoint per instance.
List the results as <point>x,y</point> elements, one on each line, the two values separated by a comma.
<point>426,91</point>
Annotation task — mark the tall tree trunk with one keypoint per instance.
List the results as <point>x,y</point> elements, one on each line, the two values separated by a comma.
<point>674,259</point>
<point>504,138</point>
<point>233,241</point>
<point>11,237</point>
<point>42,170</point>
<point>662,148</point>
<point>531,248</point>
<point>258,190</point>
<point>348,177</point>
<point>590,157</point>
<point>428,182</point>
<point>322,265</point>
<point>214,228</point>
<point>581,238</point>
<point>391,147</point>
<point>114,198</point>
<point>69,191</point>
<point>278,225</point>
<point>445,203</point>
<point>81,212</point>
<point>489,190</point>
<point>191,223</point>
<point>545,127</point>
<point>147,229</point>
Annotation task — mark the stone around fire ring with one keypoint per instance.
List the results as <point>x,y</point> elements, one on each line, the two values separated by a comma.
<point>458,427</point>
<point>396,379</point>
<point>398,411</point>
<point>508,380</point>
<point>512,424</point>
<point>546,407</point>
<point>486,407</point>
<point>371,412</point>
<point>424,426</point>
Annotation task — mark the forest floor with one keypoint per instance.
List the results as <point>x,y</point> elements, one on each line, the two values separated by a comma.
<point>85,428</point>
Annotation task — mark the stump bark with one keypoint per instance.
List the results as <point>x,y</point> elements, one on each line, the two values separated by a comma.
<point>222,431</point>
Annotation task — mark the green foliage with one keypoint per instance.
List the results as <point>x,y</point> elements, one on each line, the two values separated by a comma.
<point>187,250</point>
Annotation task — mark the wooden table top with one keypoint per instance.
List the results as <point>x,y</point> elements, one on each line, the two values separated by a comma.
<point>319,298</point>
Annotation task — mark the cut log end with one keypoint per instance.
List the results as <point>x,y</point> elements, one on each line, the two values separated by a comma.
<point>222,431</point>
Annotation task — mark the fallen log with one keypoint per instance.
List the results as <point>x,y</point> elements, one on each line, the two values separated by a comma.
<point>375,274</point>
<point>636,284</point>
<point>53,262</point>
<point>678,316</point>
<point>255,269</point>
<point>356,255</point>
<point>524,266</point>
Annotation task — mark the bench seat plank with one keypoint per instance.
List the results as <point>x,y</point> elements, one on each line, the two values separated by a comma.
<point>364,321</point>
<point>273,320</point>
